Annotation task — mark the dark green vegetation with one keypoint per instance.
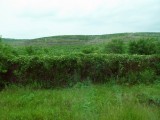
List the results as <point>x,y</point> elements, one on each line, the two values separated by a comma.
<point>121,58</point>
<point>104,77</point>
<point>52,71</point>
<point>82,102</point>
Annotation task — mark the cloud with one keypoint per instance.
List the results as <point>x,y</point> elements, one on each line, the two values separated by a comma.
<point>37,18</point>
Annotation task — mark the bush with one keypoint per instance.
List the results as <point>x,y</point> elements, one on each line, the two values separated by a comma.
<point>115,46</point>
<point>142,47</point>
<point>89,50</point>
<point>3,69</point>
<point>61,70</point>
<point>7,50</point>
<point>30,50</point>
<point>157,47</point>
<point>35,50</point>
<point>146,76</point>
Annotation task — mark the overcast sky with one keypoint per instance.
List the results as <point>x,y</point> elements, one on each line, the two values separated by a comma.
<point>39,18</point>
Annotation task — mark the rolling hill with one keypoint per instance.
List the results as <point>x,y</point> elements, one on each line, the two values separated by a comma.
<point>80,39</point>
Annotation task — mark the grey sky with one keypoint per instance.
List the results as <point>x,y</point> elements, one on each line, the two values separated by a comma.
<point>39,18</point>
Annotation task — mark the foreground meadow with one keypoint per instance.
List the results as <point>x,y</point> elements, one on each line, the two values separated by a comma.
<point>81,102</point>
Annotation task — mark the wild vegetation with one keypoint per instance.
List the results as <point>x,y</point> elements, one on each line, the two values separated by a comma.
<point>81,102</point>
<point>64,65</point>
<point>126,65</point>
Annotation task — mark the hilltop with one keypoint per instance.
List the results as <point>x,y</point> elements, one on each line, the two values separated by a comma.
<point>80,39</point>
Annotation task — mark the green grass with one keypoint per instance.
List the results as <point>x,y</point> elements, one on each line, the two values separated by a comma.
<point>92,102</point>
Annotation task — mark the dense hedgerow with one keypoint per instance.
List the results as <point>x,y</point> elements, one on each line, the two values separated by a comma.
<point>64,70</point>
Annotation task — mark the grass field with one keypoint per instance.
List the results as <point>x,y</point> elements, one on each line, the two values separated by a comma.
<point>81,102</point>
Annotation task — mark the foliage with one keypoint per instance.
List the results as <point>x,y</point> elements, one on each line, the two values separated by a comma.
<point>30,50</point>
<point>6,52</point>
<point>157,47</point>
<point>142,47</point>
<point>66,60</point>
<point>115,46</point>
<point>54,71</point>
<point>88,50</point>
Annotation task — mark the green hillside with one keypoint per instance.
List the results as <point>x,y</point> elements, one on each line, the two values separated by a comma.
<point>80,39</point>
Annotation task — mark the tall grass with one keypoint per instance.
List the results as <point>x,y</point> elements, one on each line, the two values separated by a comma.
<point>100,102</point>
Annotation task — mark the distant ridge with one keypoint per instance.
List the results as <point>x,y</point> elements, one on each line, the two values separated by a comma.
<point>80,39</point>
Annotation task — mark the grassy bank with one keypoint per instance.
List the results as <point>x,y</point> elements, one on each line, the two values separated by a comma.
<point>82,102</point>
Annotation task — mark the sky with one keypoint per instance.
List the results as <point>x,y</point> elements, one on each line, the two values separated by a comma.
<point>40,18</point>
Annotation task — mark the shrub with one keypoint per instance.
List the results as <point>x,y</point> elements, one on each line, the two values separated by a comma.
<point>157,47</point>
<point>3,69</point>
<point>30,50</point>
<point>89,50</point>
<point>63,70</point>
<point>115,46</point>
<point>142,47</point>
<point>7,50</point>
<point>147,76</point>
<point>35,50</point>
